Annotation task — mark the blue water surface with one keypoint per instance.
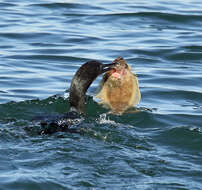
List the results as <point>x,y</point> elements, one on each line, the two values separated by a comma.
<point>44,42</point>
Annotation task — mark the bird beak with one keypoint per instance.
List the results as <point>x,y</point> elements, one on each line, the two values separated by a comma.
<point>107,67</point>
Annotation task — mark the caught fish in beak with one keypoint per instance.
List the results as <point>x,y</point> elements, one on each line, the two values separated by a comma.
<point>107,67</point>
<point>119,87</point>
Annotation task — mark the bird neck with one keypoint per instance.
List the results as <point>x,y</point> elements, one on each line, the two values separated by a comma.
<point>79,85</point>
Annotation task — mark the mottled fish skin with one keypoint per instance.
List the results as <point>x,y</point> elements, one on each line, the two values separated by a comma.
<point>119,88</point>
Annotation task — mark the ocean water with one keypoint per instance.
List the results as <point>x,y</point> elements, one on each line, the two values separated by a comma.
<point>44,42</point>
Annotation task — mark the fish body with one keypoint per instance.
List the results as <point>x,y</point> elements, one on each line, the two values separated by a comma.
<point>119,88</point>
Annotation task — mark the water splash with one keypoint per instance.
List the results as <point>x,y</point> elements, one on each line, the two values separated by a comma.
<point>103,119</point>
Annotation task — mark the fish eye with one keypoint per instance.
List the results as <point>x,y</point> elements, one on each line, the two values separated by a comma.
<point>119,58</point>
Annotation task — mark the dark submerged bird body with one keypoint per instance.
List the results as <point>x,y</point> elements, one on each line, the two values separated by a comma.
<point>81,81</point>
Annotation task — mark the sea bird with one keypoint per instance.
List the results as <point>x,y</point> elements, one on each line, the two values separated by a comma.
<point>80,83</point>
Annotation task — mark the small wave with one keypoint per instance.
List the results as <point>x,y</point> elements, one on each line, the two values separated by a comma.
<point>83,7</point>
<point>184,137</point>
<point>180,18</point>
<point>4,92</point>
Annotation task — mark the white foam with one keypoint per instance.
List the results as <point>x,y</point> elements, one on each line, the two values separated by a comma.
<point>104,120</point>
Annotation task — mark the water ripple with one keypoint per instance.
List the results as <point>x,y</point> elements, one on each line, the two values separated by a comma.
<point>43,43</point>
